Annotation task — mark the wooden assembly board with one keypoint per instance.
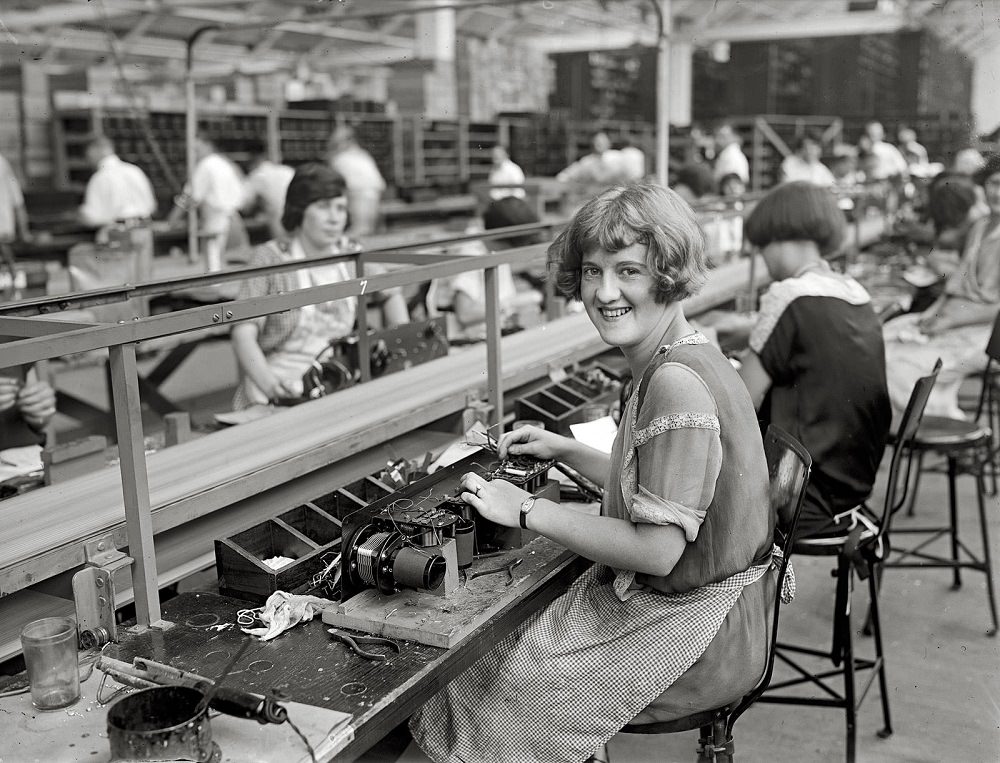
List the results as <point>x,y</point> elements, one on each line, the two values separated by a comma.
<point>444,621</point>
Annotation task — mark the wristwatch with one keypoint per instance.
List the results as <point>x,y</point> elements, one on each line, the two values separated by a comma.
<point>526,505</point>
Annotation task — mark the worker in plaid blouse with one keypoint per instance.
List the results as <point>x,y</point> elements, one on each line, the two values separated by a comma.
<point>672,616</point>
<point>276,350</point>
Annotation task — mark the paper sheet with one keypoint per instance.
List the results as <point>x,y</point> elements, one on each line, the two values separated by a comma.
<point>599,433</point>
<point>26,459</point>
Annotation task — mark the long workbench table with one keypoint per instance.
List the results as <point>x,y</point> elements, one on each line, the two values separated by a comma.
<point>209,487</point>
<point>363,700</point>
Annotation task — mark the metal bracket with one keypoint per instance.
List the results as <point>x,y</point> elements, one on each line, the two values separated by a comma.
<point>103,552</point>
<point>94,597</point>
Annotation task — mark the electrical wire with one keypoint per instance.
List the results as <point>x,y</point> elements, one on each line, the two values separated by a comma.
<point>309,747</point>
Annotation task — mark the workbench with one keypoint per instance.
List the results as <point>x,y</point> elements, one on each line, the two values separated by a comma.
<point>304,664</point>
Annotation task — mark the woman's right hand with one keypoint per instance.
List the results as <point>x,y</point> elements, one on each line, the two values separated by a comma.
<point>279,390</point>
<point>532,441</point>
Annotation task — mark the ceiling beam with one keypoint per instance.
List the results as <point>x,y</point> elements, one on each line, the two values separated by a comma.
<point>70,13</point>
<point>97,42</point>
<point>606,39</point>
<point>819,25</point>
<point>324,57</point>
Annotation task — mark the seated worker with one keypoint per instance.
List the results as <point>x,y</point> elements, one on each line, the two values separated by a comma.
<point>805,163</point>
<point>672,617</point>
<point>265,188</point>
<point>952,207</point>
<point>958,324</point>
<point>467,311</point>
<point>275,351</point>
<point>816,364</point>
<point>507,176</point>
<point>602,166</point>
<point>27,405</point>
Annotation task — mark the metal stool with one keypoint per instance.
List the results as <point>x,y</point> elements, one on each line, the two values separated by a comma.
<point>859,552</point>
<point>968,448</point>
<point>788,467</point>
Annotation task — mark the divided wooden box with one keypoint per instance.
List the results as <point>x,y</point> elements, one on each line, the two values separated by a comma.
<point>304,534</point>
<point>559,404</point>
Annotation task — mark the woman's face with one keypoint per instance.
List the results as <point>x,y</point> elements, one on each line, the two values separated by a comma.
<point>324,221</point>
<point>992,188</point>
<point>617,290</point>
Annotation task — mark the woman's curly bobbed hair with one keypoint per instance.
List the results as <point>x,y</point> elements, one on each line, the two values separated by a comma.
<point>643,213</point>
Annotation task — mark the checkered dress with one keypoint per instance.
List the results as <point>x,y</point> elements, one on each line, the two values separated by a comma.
<point>574,674</point>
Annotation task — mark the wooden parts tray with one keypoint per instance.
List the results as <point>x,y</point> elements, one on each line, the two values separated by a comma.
<point>306,534</point>
<point>559,404</point>
<point>445,621</point>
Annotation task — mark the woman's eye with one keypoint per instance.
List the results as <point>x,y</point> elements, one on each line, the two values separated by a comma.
<point>630,272</point>
<point>590,272</point>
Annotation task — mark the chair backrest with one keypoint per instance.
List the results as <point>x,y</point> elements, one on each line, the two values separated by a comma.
<point>993,344</point>
<point>788,466</point>
<point>992,356</point>
<point>908,426</point>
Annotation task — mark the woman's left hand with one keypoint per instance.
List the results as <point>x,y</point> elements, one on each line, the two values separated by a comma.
<point>496,500</point>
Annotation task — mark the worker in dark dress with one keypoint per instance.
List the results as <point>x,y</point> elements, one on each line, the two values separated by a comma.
<point>816,364</point>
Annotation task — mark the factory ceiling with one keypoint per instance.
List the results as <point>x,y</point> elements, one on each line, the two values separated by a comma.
<point>264,35</point>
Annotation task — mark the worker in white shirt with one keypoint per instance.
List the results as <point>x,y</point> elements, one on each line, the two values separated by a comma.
<point>633,161</point>
<point>805,163</point>
<point>729,157</point>
<point>266,186</point>
<point>119,202</point>
<point>505,175</point>
<point>365,184</point>
<point>216,187</point>
<point>601,167</point>
<point>887,162</point>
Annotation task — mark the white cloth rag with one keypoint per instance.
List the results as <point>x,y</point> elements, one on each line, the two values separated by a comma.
<point>283,610</point>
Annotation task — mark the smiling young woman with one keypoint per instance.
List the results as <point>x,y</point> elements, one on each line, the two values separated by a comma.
<point>672,617</point>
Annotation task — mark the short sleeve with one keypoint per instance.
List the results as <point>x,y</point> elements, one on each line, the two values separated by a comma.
<point>773,336</point>
<point>679,450</point>
<point>258,286</point>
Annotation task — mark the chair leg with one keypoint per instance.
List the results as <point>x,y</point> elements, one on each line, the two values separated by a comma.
<point>850,710</point>
<point>876,623</point>
<point>916,484</point>
<point>987,562</point>
<point>953,516</point>
<point>723,741</point>
<point>706,745</point>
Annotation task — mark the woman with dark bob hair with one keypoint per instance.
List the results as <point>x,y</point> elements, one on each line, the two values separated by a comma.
<point>957,326</point>
<point>816,364</point>
<point>672,617</point>
<point>275,351</point>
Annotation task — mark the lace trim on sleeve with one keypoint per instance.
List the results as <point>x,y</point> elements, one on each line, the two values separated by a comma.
<point>651,508</point>
<point>663,424</point>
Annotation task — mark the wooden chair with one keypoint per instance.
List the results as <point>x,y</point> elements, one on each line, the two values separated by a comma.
<point>788,467</point>
<point>970,449</point>
<point>860,551</point>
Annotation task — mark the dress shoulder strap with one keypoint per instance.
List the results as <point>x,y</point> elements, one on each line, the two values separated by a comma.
<point>657,360</point>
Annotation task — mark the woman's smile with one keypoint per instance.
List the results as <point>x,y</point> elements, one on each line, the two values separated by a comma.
<point>612,313</point>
